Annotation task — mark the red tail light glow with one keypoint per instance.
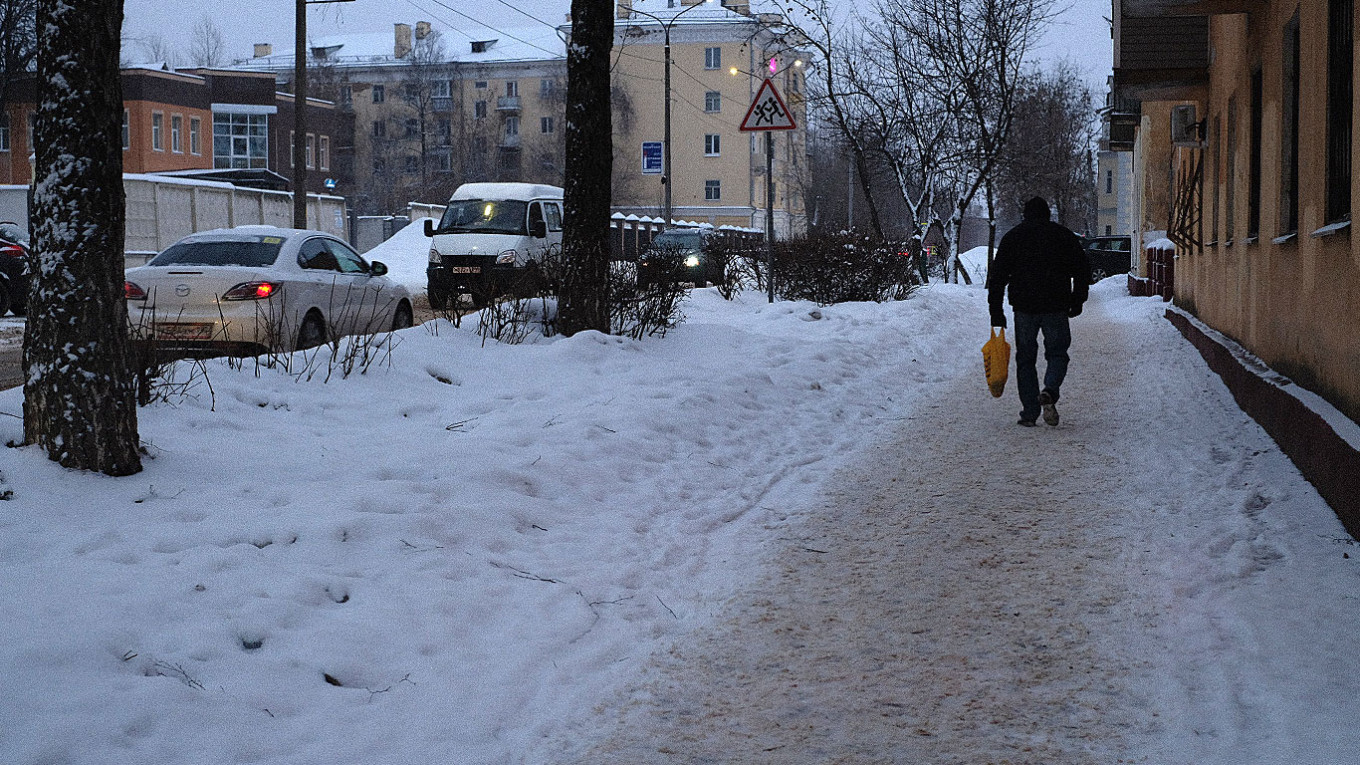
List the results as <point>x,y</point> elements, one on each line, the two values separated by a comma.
<point>12,250</point>
<point>252,291</point>
<point>133,292</point>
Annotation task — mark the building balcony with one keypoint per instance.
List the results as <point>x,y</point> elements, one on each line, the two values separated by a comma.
<point>1159,57</point>
<point>442,103</point>
<point>509,142</point>
<point>1150,8</point>
<point>507,104</point>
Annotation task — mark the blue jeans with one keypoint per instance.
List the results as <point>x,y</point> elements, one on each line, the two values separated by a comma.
<point>1057,339</point>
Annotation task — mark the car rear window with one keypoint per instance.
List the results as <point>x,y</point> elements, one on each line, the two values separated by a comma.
<point>254,253</point>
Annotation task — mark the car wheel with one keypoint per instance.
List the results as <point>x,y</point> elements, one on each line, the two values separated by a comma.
<point>1097,274</point>
<point>313,332</point>
<point>403,317</point>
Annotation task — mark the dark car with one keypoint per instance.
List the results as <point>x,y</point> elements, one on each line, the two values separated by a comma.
<point>1109,256</point>
<point>13,269</point>
<point>680,255</point>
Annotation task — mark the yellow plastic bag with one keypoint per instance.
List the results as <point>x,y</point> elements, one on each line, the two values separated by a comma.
<point>996,362</point>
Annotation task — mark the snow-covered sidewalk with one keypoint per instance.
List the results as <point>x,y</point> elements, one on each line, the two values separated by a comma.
<point>496,554</point>
<point>1148,582</point>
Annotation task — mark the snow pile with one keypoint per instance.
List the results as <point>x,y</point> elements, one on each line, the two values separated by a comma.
<point>406,255</point>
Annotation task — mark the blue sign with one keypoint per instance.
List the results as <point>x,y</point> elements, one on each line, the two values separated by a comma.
<point>652,158</point>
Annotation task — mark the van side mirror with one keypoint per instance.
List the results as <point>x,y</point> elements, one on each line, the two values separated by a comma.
<point>377,268</point>
<point>538,229</point>
<point>429,227</point>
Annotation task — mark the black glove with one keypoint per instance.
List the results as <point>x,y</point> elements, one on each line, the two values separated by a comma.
<point>999,320</point>
<point>1074,311</point>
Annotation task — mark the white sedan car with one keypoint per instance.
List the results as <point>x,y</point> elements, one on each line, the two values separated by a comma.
<point>254,289</point>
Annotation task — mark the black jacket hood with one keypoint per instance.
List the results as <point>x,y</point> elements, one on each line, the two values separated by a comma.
<point>1037,209</point>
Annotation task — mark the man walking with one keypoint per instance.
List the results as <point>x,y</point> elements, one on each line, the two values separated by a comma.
<point>1049,277</point>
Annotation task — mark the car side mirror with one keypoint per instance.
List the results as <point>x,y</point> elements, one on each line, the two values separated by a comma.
<point>429,227</point>
<point>538,229</point>
<point>377,268</point>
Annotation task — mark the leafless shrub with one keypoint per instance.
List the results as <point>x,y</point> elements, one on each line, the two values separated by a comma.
<point>646,308</point>
<point>843,267</point>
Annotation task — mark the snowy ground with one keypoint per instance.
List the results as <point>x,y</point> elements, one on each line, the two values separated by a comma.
<point>490,555</point>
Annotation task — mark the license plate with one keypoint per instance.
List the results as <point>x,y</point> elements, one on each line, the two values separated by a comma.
<point>180,331</point>
<point>466,269</point>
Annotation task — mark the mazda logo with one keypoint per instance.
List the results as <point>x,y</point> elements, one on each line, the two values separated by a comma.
<point>182,290</point>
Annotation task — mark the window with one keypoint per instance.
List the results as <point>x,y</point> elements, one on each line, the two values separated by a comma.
<point>311,151</point>
<point>157,131</point>
<point>1340,52</point>
<point>712,190</point>
<point>554,214</point>
<point>292,147</point>
<point>444,129</point>
<point>324,158</point>
<point>712,145</point>
<point>1254,159</point>
<point>512,88</point>
<point>176,133</point>
<point>346,96</point>
<point>4,132</point>
<point>379,128</point>
<point>546,124</point>
<point>195,136</point>
<point>443,160</point>
<point>547,88</point>
<point>479,84</point>
<point>127,134</point>
<point>411,164</point>
<point>511,126</point>
<point>1109,181</point>
<point>411,93</point>
<point>713,58</point>
<point>713,101</point>
<point>1109,230</point>
<point>379,94</point>
<point>1289,130</point>
<point>479,110</point>
<point>412,127</point>
<point>240,140</point>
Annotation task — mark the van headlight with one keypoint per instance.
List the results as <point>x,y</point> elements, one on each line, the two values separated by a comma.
<point>434,256</point>
<point>506,258</point>
<point>692,261</point>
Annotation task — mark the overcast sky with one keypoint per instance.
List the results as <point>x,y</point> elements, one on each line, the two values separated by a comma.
<point>1079,34</point>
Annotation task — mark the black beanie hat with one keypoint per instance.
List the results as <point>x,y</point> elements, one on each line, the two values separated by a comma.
<point>1036,209</point>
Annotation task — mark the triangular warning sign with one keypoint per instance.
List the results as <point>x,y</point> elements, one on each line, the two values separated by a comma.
<point>768,111</point>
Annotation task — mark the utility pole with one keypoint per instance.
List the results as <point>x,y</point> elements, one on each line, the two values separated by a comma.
<point>300,110</point>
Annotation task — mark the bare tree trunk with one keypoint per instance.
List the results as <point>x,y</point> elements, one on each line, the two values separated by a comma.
<point>79,395</point>
<point>584,302</point>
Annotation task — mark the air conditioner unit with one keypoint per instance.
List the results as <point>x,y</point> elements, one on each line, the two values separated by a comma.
<point>1185,129</point>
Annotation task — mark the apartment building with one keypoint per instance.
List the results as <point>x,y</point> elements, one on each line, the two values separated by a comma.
<point>435,108</point>
<point>721,52</point>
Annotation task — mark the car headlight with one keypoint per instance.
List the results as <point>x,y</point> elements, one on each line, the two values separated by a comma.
<point>506,258</point>
<point>434,256</point>
<point>692,261</point>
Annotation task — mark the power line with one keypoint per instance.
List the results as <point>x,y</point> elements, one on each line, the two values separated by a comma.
<point>480,23</point>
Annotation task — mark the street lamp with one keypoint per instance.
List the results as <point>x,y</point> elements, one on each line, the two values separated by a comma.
<point>666,181</point>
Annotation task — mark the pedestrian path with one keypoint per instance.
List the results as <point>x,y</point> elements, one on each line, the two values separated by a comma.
<point>976,592</point>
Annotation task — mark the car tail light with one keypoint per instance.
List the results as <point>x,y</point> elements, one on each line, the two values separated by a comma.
<point>252,291</point>
<point>133,292</point>
<point>12,250</point>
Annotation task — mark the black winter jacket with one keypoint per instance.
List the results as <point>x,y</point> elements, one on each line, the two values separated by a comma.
<point>1044,266</point>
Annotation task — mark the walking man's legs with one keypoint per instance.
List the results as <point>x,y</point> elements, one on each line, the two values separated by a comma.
<point>1026,355</point>
<point>1057,339</point>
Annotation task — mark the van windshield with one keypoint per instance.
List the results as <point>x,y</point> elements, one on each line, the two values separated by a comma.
<point>484,216</point>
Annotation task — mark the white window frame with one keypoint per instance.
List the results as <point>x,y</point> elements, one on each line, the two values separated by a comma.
<point>158,131</point>
<point>713,58</point>
<point>712,144</point>
<point>547,125</point>
<point>196,136</point>
<point>177,133</point>
<point>712,101</point>
<point>713,191</point>
<point>324,147</point>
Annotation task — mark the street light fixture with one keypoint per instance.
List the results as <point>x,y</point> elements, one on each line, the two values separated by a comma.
<point>666,180</point>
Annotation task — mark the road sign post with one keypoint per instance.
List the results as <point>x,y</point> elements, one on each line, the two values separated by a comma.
<point>767,114</point>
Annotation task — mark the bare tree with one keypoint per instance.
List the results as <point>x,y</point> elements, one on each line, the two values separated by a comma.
<point>1049,151</point>
<point>584,302</point>
<point>207,46</point>
<point>79,391</point>
<point>18,42</point>
<point>155,49</point>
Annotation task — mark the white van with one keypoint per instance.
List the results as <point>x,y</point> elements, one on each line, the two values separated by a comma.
<point>491,236</point>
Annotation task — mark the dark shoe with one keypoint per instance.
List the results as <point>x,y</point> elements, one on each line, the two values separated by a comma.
<point>1050,408</point>
<point>1025,422</point>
